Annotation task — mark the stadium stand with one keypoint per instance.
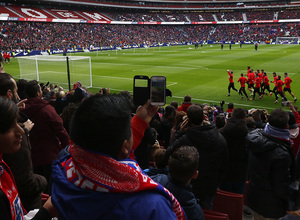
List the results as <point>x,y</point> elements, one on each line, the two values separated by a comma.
<point>41,35</point>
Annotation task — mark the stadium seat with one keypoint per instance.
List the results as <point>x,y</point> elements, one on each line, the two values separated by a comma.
<point>213,215</point>
<point>229,203</point>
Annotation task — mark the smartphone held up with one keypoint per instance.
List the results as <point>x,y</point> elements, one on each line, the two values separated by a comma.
<point>153,88</point>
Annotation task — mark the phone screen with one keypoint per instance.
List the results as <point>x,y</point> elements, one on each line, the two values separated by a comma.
<point>140,90</point>
<point>158,90</point>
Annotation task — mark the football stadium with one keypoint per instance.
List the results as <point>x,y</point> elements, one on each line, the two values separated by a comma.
<point>218,139</point>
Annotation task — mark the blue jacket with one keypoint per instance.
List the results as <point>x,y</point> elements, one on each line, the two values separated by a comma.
<point>77,203</point>
<point>184,196</point>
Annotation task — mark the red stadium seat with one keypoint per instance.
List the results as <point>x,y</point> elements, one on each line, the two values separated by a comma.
<point>229,203</point>
<point>212,215</point>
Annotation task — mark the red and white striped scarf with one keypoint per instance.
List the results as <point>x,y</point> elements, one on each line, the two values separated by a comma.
<point>99,172</point>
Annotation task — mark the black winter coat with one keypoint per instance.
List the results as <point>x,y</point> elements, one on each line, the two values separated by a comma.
<point>271,166</point>
<point>213,158</point>
<point>235,132</point>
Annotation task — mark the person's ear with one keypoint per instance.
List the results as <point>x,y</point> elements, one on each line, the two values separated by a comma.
<point>9,94</point>
<point>195,175</point>
<point>125,149</point>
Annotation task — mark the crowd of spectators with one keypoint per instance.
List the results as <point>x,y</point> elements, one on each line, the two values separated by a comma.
<point>260,15</point>
<point>289,14</point>
<point>219,136</point>
<point>206,16</point>
<point>229,16</point>
<point>42,36</point>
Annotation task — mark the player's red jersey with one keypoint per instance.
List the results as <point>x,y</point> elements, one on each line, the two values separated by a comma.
<point>257,82</point>
<point>251,78</point>
<point>242,80</point>
<point>261,75</point>
<point>266,81</point>
<point>287,82</point>
<point>230,76</point>
<point>275,80</point>
<point>279,84</point>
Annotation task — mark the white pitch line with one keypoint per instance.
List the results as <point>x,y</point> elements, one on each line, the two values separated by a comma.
<point>112,89</point>
<point>172,84</point>
<point>113,77</point>
<point>213,101</point>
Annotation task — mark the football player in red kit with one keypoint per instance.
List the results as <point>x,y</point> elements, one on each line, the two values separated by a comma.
<point>287,87</point>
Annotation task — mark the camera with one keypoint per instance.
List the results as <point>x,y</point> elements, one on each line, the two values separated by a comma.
<point>153,88</point>
<point>287,104</point>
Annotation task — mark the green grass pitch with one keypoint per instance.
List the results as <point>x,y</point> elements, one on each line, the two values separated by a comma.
<point>201,73</point>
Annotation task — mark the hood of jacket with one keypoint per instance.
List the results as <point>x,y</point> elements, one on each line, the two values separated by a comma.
<point>258,141</point>
<point>205,135</point>
<point>33,105</point>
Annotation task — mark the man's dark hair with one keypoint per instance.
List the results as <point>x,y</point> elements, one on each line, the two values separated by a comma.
<point>242,74</point>
<point>6,84</point>
<point>187,98</point>
<point>170,113</point>
<point>101,123</point>
<point>183,164</point>
<point>278,77</point>
<point>159,157</point>
<point>274,73</point>
<point>279,118</point>
<point>250,123</point>
<point>195,114</point>
<point>9,112</point>
<point>32,87</point>
<point>21,83</point>
<point>175,104</point>
<point>230,105</point>
<point>239,113</point>
<point>220,121</point>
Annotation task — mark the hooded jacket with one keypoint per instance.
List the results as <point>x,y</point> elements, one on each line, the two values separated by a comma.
<point>271,168</point>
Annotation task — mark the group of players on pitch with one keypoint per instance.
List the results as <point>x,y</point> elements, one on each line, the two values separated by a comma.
<point>258,82</point>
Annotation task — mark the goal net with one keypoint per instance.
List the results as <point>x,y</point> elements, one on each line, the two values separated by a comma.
<point>53,69</point>
<point>287,40</point>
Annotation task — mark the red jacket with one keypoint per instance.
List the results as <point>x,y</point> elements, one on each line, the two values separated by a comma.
<point>266,81</point>
<point>48,135</point>
<point>184,106</point>
<point>257,82</point>
<point>287,81</point>
<point>230,77</point>
<point>279,85</point>
<point>242,80</point>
